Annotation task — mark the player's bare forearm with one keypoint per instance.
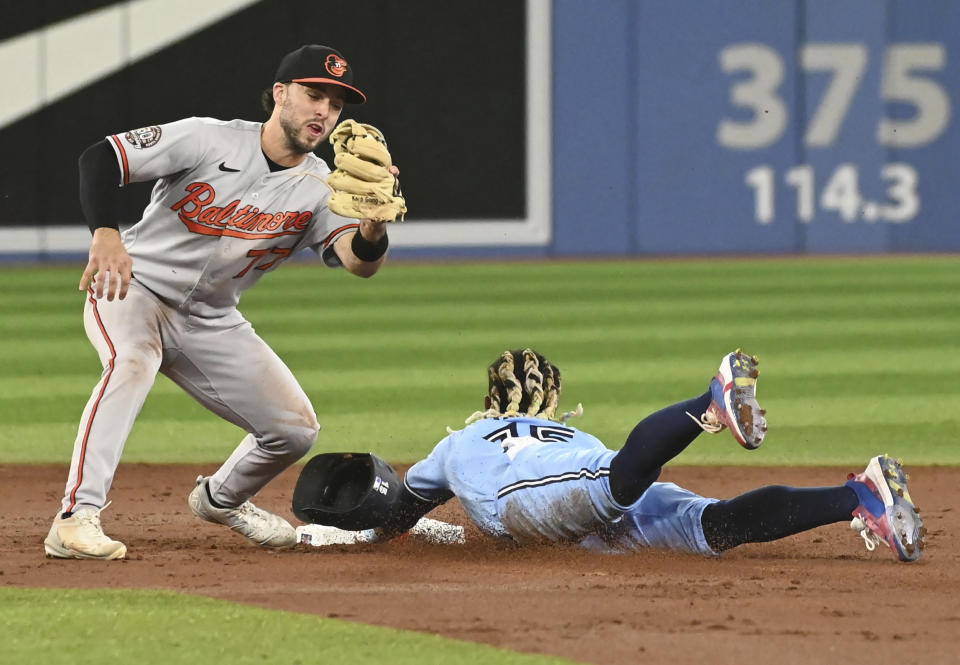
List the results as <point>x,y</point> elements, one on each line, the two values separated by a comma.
<point>372,234</point>
<point>109,265</point>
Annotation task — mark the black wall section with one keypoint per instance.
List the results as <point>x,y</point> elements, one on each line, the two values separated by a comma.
<point>19,16</point>
<point>445,81</point>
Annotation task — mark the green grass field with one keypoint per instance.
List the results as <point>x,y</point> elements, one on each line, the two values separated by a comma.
<point>163,628</point>
<point>858,357</point>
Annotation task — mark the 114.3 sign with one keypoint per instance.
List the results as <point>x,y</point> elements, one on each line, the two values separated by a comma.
<point>905,80</point>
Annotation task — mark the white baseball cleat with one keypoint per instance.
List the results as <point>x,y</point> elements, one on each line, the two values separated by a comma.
<point>257,525</point>
<point>734,401</point>
<point>80,536</point>
<point>886,513</point>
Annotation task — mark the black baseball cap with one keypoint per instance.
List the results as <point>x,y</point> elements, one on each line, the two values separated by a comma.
<point>313,63</point>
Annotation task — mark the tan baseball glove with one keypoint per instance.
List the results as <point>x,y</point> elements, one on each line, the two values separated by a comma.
<point>362,186</point>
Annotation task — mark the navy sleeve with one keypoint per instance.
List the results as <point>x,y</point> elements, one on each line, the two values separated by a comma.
<point>408,510</point>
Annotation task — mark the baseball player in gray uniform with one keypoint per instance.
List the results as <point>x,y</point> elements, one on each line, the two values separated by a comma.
<point>232,200</point>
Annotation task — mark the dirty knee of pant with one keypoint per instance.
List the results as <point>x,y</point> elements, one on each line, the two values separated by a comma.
<point>294,442</point>
<point>136,368</point>
<point>300,446</point>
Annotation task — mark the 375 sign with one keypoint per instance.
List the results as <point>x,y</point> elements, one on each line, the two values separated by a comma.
<point>908,79</point>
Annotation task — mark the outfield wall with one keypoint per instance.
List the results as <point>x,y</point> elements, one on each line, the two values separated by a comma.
<point>545,127</point>
<point>756,126</point>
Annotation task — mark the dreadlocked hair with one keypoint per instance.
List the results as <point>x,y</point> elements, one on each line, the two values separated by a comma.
<point>523,382</point>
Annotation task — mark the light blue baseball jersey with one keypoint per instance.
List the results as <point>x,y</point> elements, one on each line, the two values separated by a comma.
<point>536,480</point>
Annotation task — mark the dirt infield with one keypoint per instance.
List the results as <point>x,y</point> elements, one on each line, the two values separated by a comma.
<point>817,597</point>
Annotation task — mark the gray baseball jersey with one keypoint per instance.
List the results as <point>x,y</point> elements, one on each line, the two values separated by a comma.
<point>217,220</point>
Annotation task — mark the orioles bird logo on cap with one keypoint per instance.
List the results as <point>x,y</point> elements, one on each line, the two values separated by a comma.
<point>336,65</point>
